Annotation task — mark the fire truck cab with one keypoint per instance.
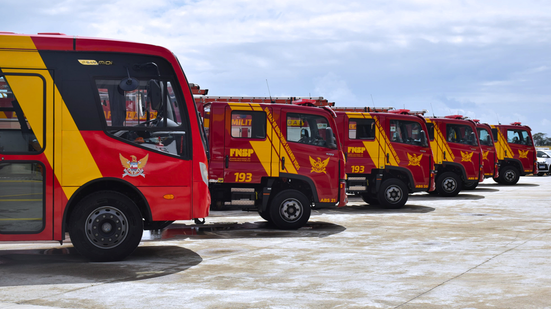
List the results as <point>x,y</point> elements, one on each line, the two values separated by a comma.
<point>98,138</point>
<point>516,152</point>
<point>457,153</point>
<point>388,154</point>
<point>277,159</point>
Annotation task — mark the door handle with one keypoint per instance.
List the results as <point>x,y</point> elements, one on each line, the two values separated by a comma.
<point>444,155</point>
<point>282,163</point>
<point>387,158</point>
<point>227,161</point>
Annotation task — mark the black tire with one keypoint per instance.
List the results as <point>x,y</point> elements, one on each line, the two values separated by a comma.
<point>106,226</point>
<point>541,174</point>
<point>289,210</point>
<point>509,175</point>
<point>448,184</point>
<point>496,180</point>
<point>470,185</point>
<point>393,194</point>
<point>370,199</point>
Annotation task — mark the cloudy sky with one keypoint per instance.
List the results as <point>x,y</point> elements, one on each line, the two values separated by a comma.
<point>488,60</point>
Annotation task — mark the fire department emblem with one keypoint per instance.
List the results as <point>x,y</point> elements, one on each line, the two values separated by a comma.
<point>133,167</point>
<point>485,155</point>
<point>319,165</point>
<point>415,160</point>
<point>466,156</point>
<point>523,154</point>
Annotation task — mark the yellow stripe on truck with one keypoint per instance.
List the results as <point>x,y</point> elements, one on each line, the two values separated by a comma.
<point>78,165</point>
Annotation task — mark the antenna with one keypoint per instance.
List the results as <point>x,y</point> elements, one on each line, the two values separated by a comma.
<point>372,100</point>
<point>269,91</point>
<point>432,110</point>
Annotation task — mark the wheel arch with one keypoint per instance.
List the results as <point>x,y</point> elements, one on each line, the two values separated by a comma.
<point>402,174</point>
<point>110,184</point>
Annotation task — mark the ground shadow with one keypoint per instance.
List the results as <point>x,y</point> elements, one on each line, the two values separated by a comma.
<point>231,230</point>
<point>365,208</point>
<point>436,197</point>
<point>63,265</point>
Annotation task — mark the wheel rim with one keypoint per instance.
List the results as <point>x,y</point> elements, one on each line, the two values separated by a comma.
<point>509,175</point>
<point>106,227</point>
<point>449,184</point>
<point>291,210</point>
<point>393,194</point>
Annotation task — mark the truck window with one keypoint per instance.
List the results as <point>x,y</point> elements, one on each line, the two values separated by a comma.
<point>16,134</point>
<point>407,132</point>
<point>430,128</point>
<point>485,137</point>
<point>495,134</point>
<point>245,124</point>
<point>307,129</point>
<point>519,137</point>
<point>361,128</point>
<point>461,134</point>
<point>135,117</point>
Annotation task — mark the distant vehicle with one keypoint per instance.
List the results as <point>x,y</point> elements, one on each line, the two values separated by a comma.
<point>544,162</point>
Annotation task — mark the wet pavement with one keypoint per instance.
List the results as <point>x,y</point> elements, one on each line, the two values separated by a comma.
<point>486,248</point>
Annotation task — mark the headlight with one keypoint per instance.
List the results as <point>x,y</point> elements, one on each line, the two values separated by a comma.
<point>204,172</point>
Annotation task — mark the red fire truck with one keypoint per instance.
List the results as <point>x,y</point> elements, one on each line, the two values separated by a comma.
<point>99,138</point>
<point>388,154</point>
<point>489,155</point>
<point>457,153</point>
<point>515,151</point>
<point>277,159</point>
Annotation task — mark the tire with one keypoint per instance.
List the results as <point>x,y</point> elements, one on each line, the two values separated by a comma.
<point>448,184</point>
<point>509,175</point>
<point>289,210</point>
<point>115,218</point>
<point>470,185</point>
<point>541,174</point>
<point>393,194</point>
<point>370,199</point>
<point>496,180</point>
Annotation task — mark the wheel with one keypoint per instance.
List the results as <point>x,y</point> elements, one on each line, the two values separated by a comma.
<point>289,210</point>
<point>509,175</point>
<point>470,185</point>
<point>106,226</point>
<point>393,193</point>
<point>448,184</point>
<point>496,180</point>
<point>370,199</point>
<point>540,174</point>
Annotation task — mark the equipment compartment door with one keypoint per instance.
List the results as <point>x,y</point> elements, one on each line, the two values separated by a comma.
<point>26,148</point>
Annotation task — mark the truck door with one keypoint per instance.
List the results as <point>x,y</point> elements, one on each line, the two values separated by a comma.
<point>26,150</point>
<point>488,151</point>
<point>248,149</point>
<point>463,143</point>
<point>308,152</point>
<point>522,147</point>
<point>410,145</point>
<point>361,145</point>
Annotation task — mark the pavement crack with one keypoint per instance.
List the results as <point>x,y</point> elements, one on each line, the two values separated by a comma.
<point>473,268</point>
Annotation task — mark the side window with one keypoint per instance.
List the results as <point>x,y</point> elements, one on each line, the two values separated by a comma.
<point>430,128</point>
<point>407,132</point>
<point>461,134</point>
<point>361,128</point>
<point>520,137</point>
<point>485,137</point>
<point>495,134</point>
<point>21,113</point>
<point>149,115</point>
<point>246,124</point>
<point>309,129</point>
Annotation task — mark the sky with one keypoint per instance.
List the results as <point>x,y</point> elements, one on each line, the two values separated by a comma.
<point>488,60</point>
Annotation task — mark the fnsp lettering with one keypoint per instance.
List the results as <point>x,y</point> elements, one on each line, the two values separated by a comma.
<point>237,152</point>
<point>356,149</point>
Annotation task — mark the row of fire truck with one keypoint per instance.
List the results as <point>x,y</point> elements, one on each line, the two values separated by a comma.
<point>296,162</point>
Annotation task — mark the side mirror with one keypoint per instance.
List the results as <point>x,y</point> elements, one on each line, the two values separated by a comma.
<point>154,94</point>
<point>423,138</point>
<point>330,138</point>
